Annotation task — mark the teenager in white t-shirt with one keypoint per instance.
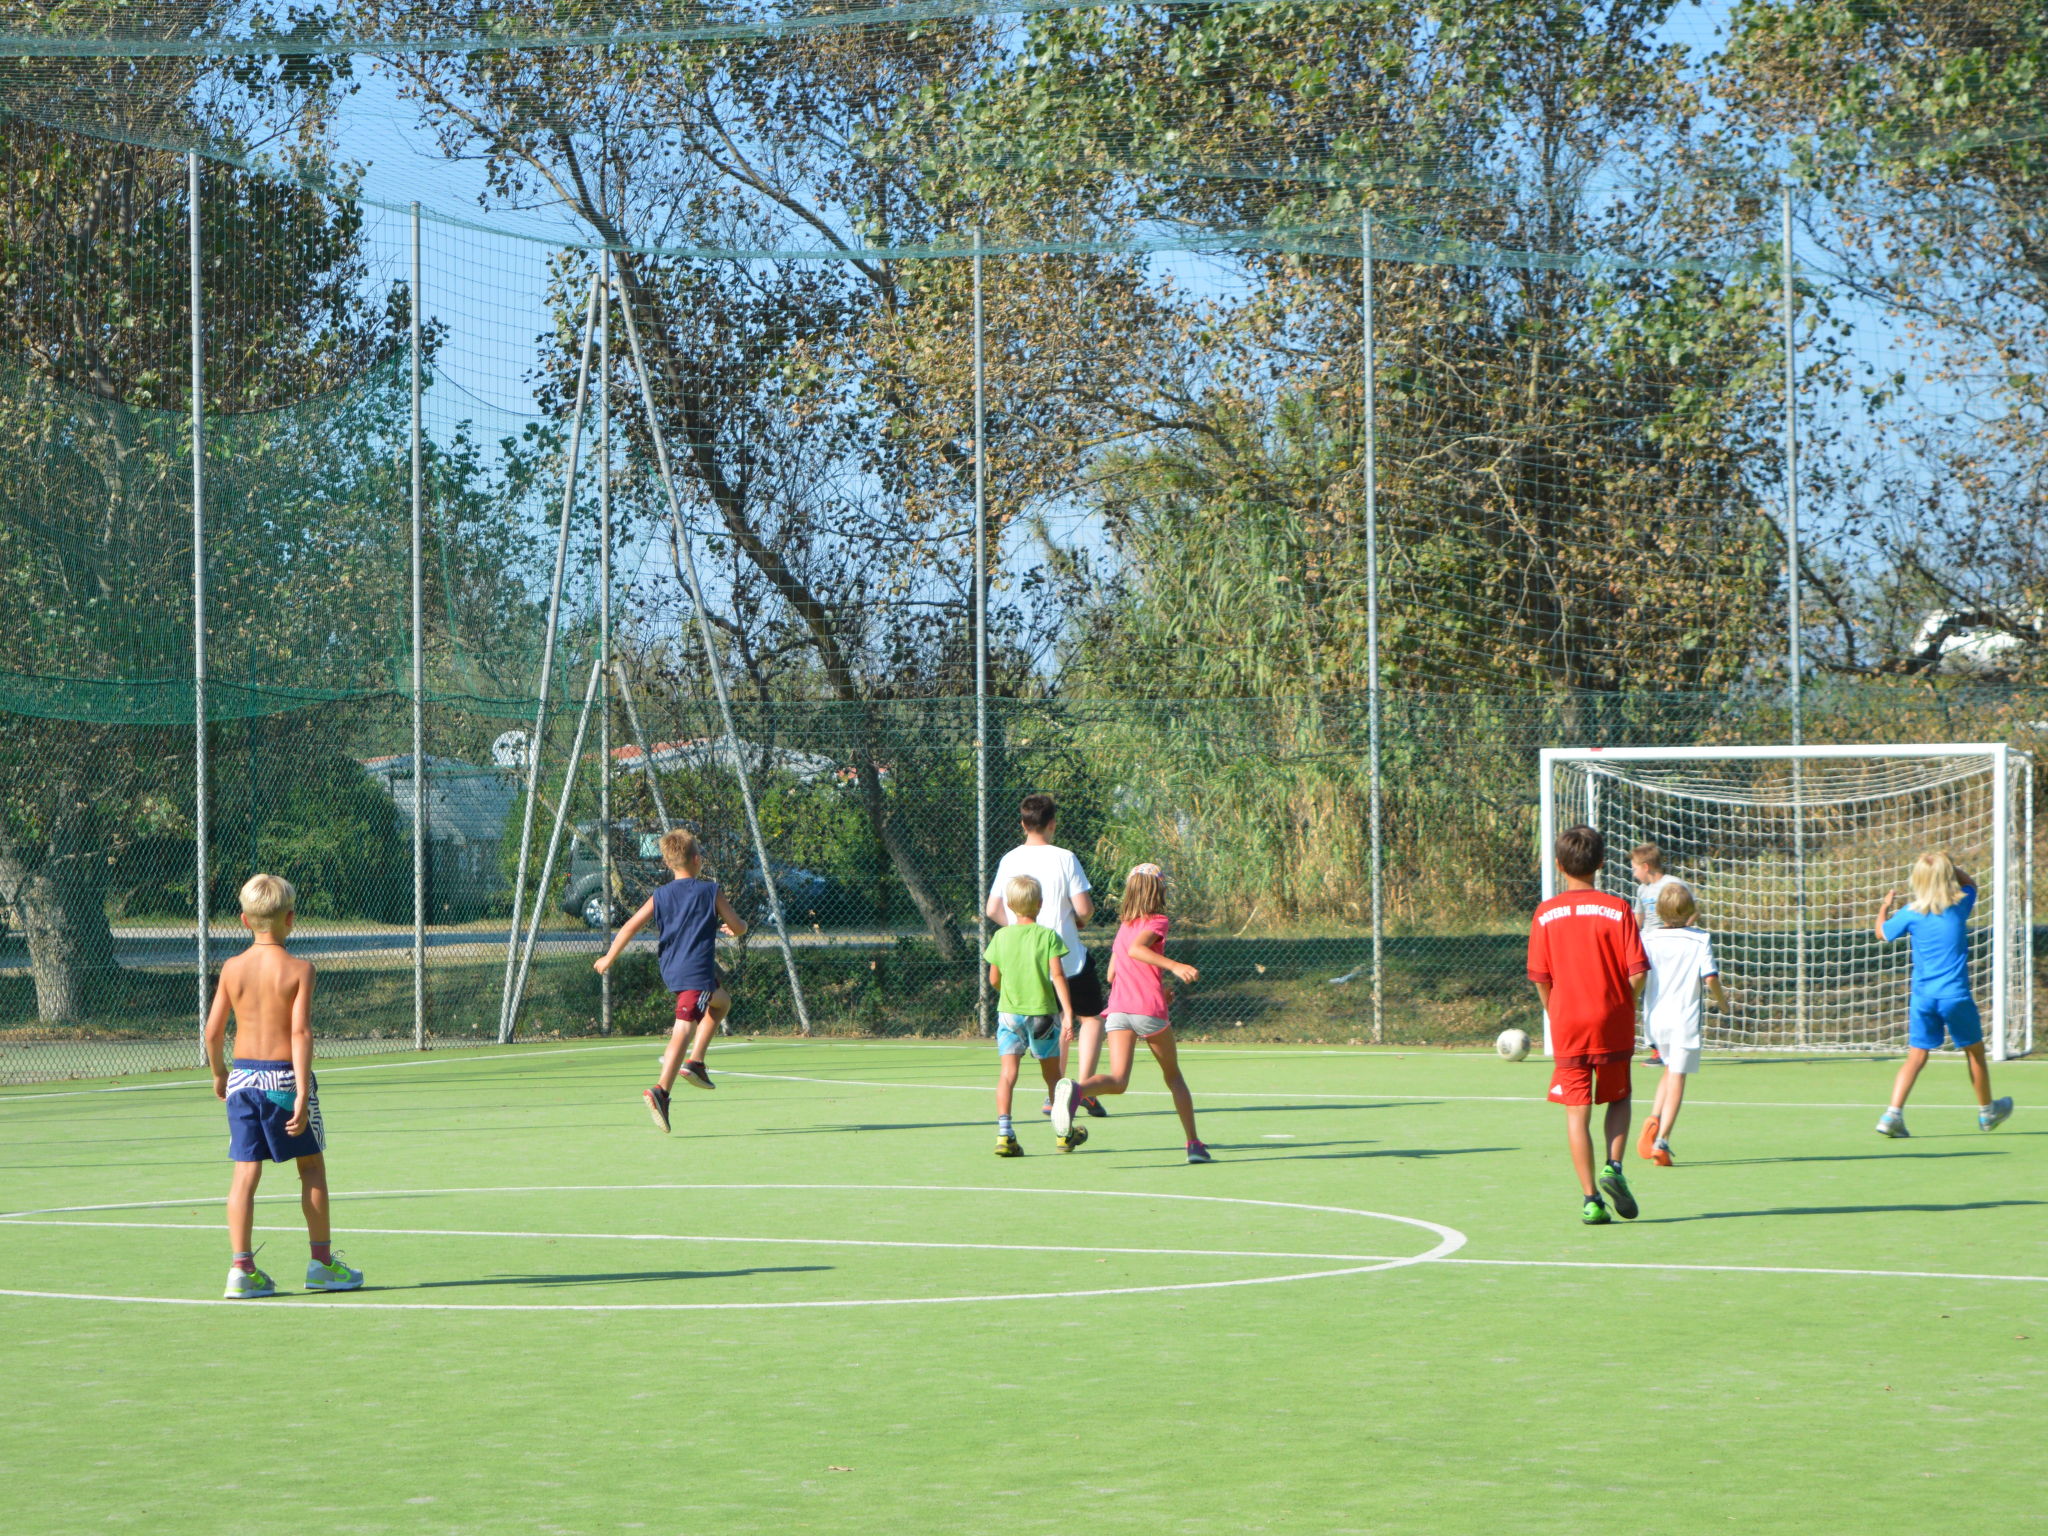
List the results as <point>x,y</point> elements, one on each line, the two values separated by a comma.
<point>1682,976</point>
<point>1646,862</point>
<point>1066,906</point>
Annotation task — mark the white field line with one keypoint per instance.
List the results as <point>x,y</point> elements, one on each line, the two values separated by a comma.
<point>426,1059</point>
<point>688,1237</point>
<point>1751,1269</point>
<point>1427,1098</point>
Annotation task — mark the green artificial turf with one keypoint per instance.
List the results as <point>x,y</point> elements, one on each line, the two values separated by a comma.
<point>1709,1384</point>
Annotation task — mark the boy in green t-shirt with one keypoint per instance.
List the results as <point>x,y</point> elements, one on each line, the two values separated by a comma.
<point>1024,968</point>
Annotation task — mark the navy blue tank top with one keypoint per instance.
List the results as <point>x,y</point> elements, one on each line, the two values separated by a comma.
<point>686,922</point>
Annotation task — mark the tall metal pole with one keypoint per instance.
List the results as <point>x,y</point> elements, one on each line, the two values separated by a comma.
<point>686,561</point>
<point>419,673</point>
<point>980,646</point>
<point>1794,660</point>
<point>1372,641</point>
<point>547,868</point>
<point>604,626</point>
<point>201,788</point>
<point>547,667</point>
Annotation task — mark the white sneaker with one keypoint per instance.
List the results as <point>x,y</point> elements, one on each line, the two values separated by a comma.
<point>1063,1107</point>
<point>1994,1114</point>
<point>1892,1123</point>
<point>336,1276</point>
<point>247,1285</point>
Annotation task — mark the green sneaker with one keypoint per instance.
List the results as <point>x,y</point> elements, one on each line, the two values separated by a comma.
<point>247,1285</point>
<point>1594,1212</point>
<point>1616,1189</point>
<point>332,1276</point>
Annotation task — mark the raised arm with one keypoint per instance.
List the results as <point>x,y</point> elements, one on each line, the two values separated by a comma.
<point>733,923</point>
<point>1884,914</point>
<point>627,929</point>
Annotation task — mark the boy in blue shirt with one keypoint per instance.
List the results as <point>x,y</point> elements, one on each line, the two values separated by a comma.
<point>689,914</point>
<point>1941,1008</point>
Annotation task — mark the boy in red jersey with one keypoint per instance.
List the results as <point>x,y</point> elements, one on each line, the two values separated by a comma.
<point>1586,959</point>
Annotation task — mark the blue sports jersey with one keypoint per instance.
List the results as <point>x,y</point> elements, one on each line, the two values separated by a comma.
<point>1941,948</point>
<point>686,924</point>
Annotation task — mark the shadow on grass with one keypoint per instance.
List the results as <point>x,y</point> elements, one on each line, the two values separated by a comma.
<point>1298,1152</point>
<point>1844,1210</point>
<point>627,1277</point>
<point>1843,1157</point>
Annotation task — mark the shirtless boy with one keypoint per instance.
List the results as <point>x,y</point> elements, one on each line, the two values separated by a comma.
<point>272,1096</point>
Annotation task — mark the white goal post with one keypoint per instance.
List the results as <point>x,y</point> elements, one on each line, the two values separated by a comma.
<point>1789,850</point>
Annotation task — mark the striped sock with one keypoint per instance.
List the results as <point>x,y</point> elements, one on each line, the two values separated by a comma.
<point>1003,1126</point>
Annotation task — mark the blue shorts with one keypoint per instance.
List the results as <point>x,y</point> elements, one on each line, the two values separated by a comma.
<point>1934,1017</point>
<point>261,1095</point>
<point>1036,1033</point>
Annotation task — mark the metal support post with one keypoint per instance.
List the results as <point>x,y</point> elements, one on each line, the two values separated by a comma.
<point>1372,642</point>
<point>547,867</point>
<point>686,562</point>
<point>2002,933</point>
<point>547,668</point>
<point>604,626</point>
<point>201,787</point>
<point>980,646</point>
<point>419,674</point>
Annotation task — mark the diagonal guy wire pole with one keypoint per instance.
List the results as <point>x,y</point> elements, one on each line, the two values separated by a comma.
<point>686,560</point>
<point>547,671</point>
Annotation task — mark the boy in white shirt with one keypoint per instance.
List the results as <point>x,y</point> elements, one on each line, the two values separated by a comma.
<point>1646,863</point>
<point>1682,972</point>
<point>1065,905</point>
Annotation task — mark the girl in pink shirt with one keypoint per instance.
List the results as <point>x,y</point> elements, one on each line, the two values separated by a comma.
<point>1138,1008</point>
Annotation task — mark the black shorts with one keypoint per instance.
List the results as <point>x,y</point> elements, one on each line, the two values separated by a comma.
<point>1085,986</point>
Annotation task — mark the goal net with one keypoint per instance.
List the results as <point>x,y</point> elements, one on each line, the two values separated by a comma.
<point>1789,851</point>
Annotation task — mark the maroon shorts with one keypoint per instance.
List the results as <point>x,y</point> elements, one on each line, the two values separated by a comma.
<point>1601,1078</point>
<point>690,1006</point>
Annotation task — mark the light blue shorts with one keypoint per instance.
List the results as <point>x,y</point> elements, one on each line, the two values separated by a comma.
<point>1937,1017</point>
<point>1035,1034</point>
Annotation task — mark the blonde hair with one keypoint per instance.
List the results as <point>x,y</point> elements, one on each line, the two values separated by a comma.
<point>1675,905</point>
<point>1144,894</point>
<point>1934,882</point>
<point>265,899</point>
<point>1650,856</point>
<point>679,849</point>
<point>1022,896</point>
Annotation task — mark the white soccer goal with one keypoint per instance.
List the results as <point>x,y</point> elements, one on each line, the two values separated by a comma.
<point>1789,850</point>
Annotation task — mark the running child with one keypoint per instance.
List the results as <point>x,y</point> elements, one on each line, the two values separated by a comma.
<point>689,913</point>
<point>1940,1005</point>
<point>1646,862</point>
<point>272,1097</point>
<point>1138,1008</point>
<point>1024,966</point>
<point>1068,903</point>
<point>1682,974</point>
<point>1587,962</point>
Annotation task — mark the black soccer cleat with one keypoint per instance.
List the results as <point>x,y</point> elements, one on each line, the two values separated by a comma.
<point>657,1106</point>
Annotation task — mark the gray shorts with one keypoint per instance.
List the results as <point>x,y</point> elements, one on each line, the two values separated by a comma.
<point>1143,1025</point>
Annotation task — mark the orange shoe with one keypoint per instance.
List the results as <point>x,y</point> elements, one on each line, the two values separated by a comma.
<point>1661,1156</point>
<point>1646,1144</point>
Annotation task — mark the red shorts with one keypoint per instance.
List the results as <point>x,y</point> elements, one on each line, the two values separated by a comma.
<point>690,1006</point>
<point>1600,1078</point>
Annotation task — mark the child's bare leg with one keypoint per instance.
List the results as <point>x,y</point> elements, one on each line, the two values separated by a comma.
<point>1980,1072</point>
<point>1091,1048</point>
<point>1909,1069</point>
<point>1118,1078</point>
<point>1006,1084</point>
<point>1670,1095</point>
<point>713,1020</point>
<point>242,1206</point>
<point>1617,1129</point>
<point>1049,1069</point>
<point>1168,1057</point>
<point>672,1058</point>
<point>1578,1133</point>
<point>313,1198</point>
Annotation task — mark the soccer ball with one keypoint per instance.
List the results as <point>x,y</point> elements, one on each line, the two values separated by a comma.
<point>1513,1044</point>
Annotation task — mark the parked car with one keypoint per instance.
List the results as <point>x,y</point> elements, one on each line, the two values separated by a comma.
<point>636,862</point>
